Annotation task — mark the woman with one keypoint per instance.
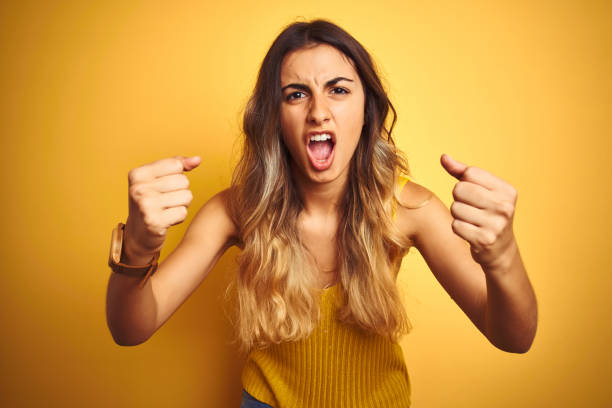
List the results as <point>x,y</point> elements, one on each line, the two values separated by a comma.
<point>323,212</point>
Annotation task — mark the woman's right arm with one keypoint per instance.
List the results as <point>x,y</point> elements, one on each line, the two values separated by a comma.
<point>134,313</point>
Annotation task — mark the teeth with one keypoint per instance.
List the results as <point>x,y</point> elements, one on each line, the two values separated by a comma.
<point>320,138</point>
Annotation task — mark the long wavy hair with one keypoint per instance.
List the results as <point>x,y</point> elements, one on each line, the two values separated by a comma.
<point>277,295</point>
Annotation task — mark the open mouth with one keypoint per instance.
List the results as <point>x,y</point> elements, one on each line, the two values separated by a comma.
<point>321,150</point>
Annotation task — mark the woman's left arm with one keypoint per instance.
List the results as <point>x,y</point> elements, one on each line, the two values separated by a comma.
<point>487,279</point>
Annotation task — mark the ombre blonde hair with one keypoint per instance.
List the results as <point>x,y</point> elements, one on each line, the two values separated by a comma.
<point>277,295</point>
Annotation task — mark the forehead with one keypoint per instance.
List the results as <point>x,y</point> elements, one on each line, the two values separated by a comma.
<point>316,63</point>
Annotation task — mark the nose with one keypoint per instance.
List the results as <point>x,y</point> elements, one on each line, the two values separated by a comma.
<point>319,111</point>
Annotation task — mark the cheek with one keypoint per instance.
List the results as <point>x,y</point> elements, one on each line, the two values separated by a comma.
<point>290,132</point>
<point>352,117</point>
<point>359,111</point>
<point>288,121</point>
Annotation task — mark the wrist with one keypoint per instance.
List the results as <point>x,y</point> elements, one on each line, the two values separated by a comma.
<point>504,262</point>
<point>131,255</point>
<point>122,261</point>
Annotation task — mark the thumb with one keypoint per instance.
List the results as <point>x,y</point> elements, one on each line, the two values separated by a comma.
<point>190,163</point>
<point>452,166</point>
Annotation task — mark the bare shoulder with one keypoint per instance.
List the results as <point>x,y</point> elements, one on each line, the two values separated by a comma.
<point>418,207</point>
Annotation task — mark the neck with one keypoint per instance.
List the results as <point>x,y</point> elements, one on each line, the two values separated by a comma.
<point>320,199</point>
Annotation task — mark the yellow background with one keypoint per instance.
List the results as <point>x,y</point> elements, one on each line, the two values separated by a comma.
<point>91,90</point>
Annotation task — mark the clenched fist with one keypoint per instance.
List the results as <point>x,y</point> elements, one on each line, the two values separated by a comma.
<point>483,211</point>
<point>159,196</point>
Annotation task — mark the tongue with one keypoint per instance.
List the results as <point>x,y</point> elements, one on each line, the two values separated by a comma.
<point>321,150</point>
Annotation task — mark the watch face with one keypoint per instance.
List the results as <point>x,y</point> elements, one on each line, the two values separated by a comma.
<point>116,244</point>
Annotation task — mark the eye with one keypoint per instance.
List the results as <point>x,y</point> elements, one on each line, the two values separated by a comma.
<point>295,95</point>
<point>339,90</point>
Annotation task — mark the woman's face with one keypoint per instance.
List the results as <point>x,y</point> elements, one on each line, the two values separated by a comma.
<point>322,111</point>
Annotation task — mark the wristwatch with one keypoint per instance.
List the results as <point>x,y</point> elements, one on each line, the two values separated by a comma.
<point>114,258</point>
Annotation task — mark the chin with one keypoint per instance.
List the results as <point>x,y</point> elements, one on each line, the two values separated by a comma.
<point>327,176</point>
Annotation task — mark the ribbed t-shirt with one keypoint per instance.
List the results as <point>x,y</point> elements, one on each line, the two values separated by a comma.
<point>336,366</point>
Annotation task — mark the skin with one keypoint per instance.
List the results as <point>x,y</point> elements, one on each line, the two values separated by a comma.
<point>471,249</point>
<point>312,103</point>
<point>487,278</point>
<point>314,100</point>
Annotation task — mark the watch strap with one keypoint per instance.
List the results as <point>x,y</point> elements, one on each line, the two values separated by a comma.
<point>114,258</point>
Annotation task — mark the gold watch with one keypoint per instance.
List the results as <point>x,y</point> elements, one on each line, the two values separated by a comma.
<point>114,258</point>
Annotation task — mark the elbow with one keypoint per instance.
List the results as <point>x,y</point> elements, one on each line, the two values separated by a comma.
<point>123,336</point>
<point>128,328</point>
<point>525,345</point>
<point>127,341</point>
<point>516,344</point>
<point>516,338</point>
<point>516,348</point>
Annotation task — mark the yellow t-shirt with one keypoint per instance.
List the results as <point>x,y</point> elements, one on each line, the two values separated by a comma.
<point>336,366</point>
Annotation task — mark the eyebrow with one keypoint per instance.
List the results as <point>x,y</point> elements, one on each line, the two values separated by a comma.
<point>304,87</point>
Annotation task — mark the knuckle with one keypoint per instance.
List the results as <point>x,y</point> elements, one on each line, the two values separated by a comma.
<point>499,225</point>
<point>455,225</point>
<point>491,238</point>
<point>179,165</point>
<point>486,238</point>
<point>453,208</point>
<point>457,190</point>
<point>513,194</point>
<point>133,176</point>
<point>180,214</point>
<point>185,181</point>
<point>144,203</point>
<point>137,190</point>
<point>507,209</point>
<point>470,172</point>
<point>154,227</point>
<point>148,220</point>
